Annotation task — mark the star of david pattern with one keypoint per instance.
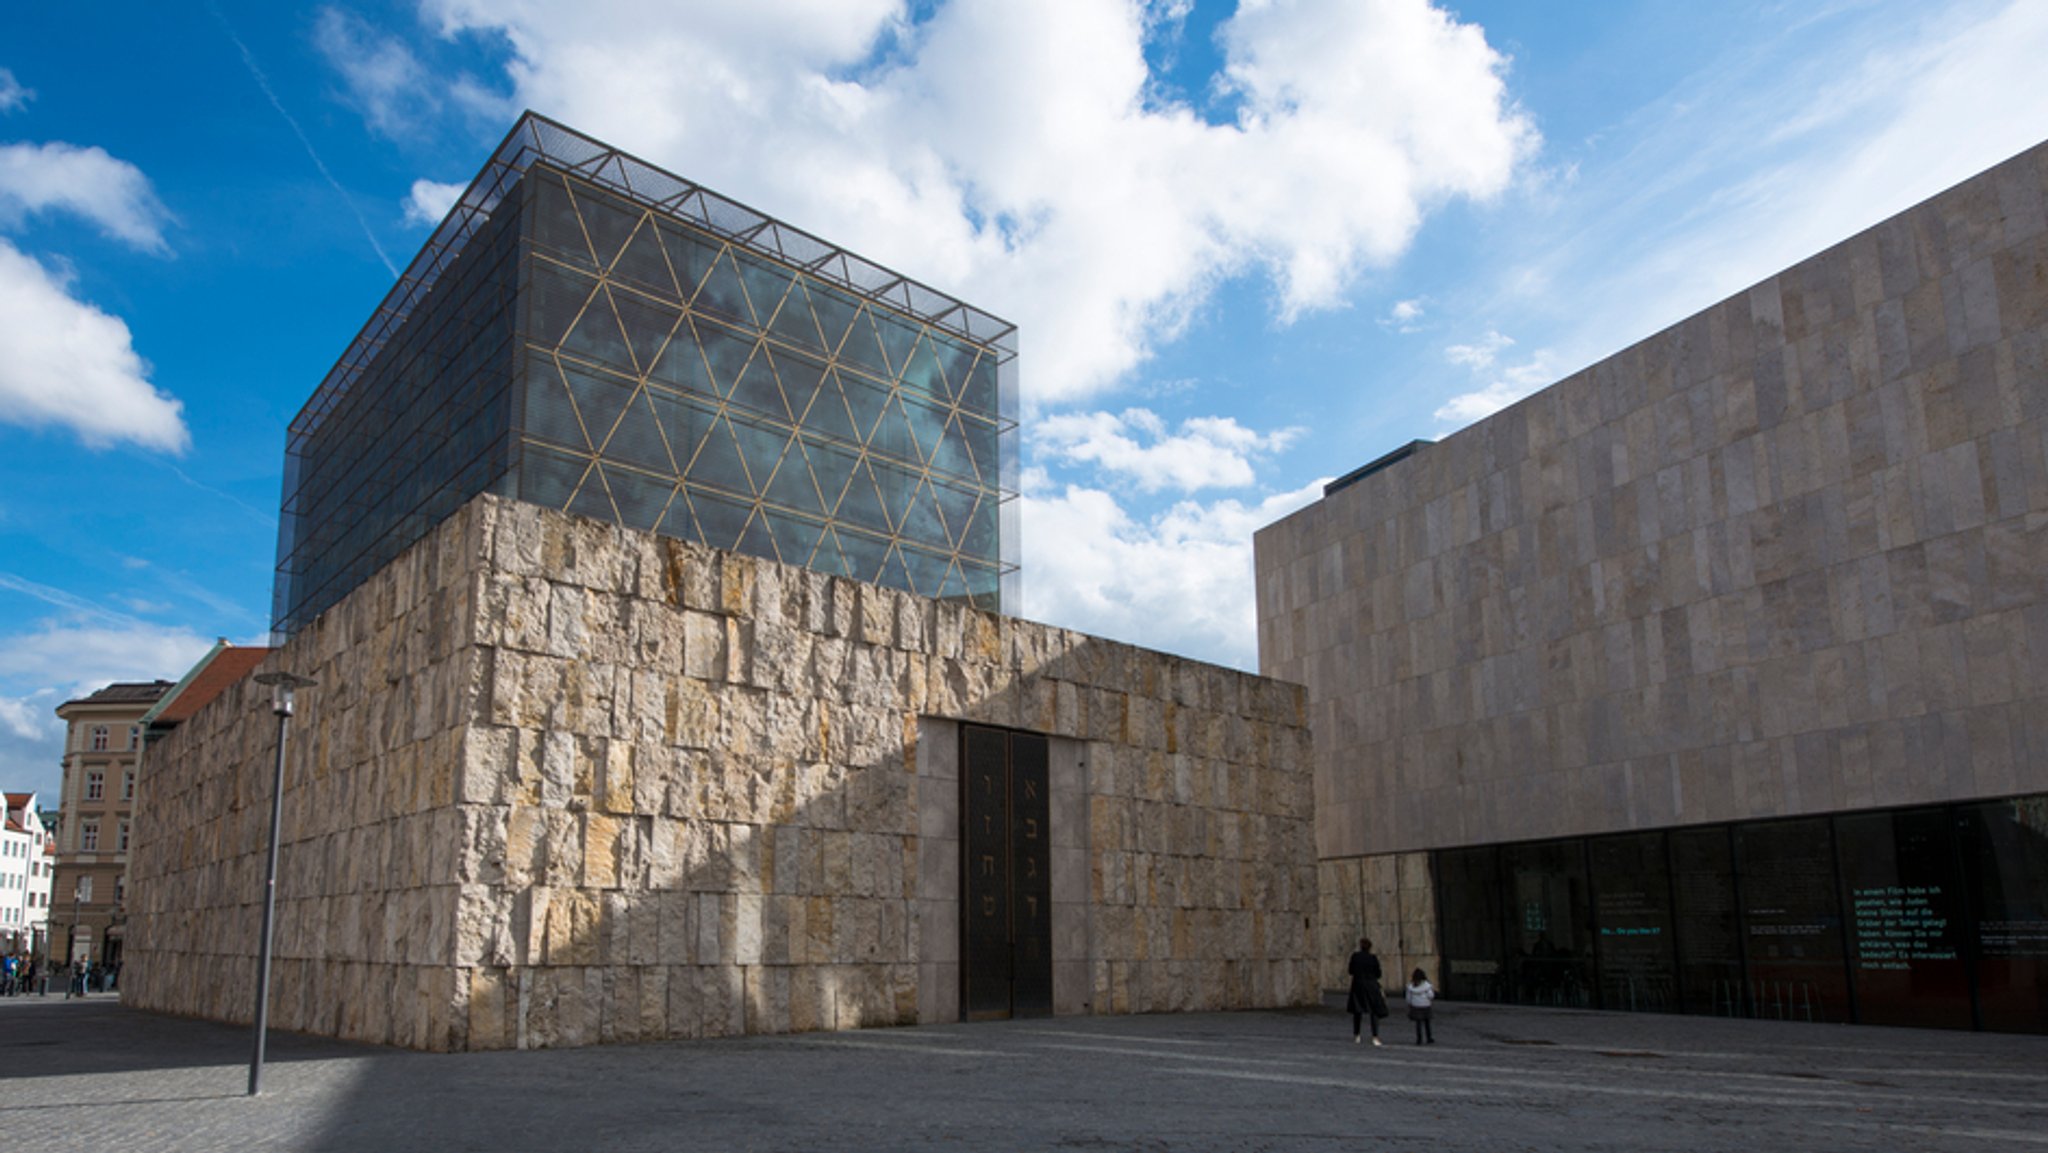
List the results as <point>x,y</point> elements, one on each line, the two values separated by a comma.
<point>678,382</point>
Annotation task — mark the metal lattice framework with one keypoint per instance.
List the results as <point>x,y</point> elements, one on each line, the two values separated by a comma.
<point>590,332</point>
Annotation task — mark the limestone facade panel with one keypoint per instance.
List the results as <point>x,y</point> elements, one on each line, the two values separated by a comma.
<point>1786,556</point>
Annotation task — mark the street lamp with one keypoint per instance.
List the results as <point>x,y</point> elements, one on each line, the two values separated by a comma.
<point>282,687</point>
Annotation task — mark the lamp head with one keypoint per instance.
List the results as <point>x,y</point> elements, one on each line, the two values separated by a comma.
<point>283,686</point>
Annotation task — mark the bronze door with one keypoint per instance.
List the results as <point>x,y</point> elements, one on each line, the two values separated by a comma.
<point>1006,886</point>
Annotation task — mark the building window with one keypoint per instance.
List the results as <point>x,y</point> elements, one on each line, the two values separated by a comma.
<point>134,736</point>
<point>99,738</point>
<point>128,785</point>
<point>121,839</point>
<point>95,785</point>
<point>84,891</point>
<point>88,837</point>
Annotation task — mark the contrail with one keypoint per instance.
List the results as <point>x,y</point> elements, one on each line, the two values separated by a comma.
<point>263,82</point>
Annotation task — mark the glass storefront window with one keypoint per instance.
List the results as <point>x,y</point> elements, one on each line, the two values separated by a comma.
<point>1792,922</point>
<point>1469,906</point>
<point>1905,917</point>
<point>2005,848</point>
<point>1708,929</point>
<point>1551,961</point>
<point>1632,909</point>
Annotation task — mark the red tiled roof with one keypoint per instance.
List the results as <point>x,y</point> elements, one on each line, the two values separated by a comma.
<point>229,664</point>
<point>17,800</point>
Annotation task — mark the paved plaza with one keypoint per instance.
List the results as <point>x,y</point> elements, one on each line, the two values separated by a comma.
<point>93,1076</point>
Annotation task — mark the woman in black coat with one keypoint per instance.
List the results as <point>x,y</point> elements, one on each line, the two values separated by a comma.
<point>1367,1002</point>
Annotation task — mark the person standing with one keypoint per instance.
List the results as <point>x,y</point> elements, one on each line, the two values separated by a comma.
<point>1421,995</point>
<point>1367,1001</point>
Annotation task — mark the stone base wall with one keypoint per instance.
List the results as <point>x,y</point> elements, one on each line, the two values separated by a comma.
<point>565,783</point>
<point>1391,899</point>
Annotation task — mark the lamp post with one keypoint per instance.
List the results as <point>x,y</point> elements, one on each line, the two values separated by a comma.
<point>282,687</point>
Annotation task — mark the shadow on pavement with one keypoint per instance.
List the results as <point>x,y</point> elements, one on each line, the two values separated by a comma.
<point>53,1037</point>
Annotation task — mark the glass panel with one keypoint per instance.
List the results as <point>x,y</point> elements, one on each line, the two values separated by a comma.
<point>718,464</point>
<point>1551,938</point>
<point>719,519</point>
<point>956,508</point>
<point>637,440</point>
<point>757,389</point>
<point>956,364</point>
<point>607,220</point>
<point>949,451</point>
<point>795,538</point>
<point>548,478</point>
<point>681,365</point>
<point>558,298</point>
<point>642,263</point>
<point>861,506</point>
<point>1905,903</point>
<point>683,425</point>
<point>679,522</point>
<point>793,485</point>
<point>600,400</point>
<point>640,499</point>
<point>865,402</point>
<point>1632,904</point>
<point>1792,921</point>
<point>646,324</point>
<point>721,295</point>
<point>597,336</point>
<point>864,554</point>
<point>766,285</point>
<point>828,416</point>
<point>556,226</point>
<point>549,414</point>
<point>922,373</point>
<point>862,348</point>
<point>828,558</point>
<point>898,337</point>
<point>794,324</point>
<point>592,499</point>
<point>1468,902</point>
<point>982,396</point>
<point>761,447</point>
<point>690,256</point>
<point>2005,846</point>
<point>927,571</point>
<point>834,313</point>
<point>800,376</point>
<point>755,540</point>
<point>726,352</point>
<point>1708,927</point>
<point>921,525</point>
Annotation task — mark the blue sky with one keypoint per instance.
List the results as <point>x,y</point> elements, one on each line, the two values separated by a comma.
<point>1249,248</point>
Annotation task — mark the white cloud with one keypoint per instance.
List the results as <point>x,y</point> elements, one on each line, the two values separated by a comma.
<point>61,660</point>
<point>12,94</point>
<point>68,364</point>
<point>1206,452</point>
<point>1405,316</point>
<point>1720,186</point>
<point>1180,582</point>
<point>430,201</point>
<point>1022,156</point>
<point>385,81</point>
<point>1500,387</point>
<point>111,193</point>
<point>1479,356</point>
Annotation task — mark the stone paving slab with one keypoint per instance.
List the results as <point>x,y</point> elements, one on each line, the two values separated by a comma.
<point>91,1075</point>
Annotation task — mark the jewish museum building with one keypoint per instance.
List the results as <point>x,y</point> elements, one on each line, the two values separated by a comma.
<point>1714,678</point>
<point>647,556</point>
